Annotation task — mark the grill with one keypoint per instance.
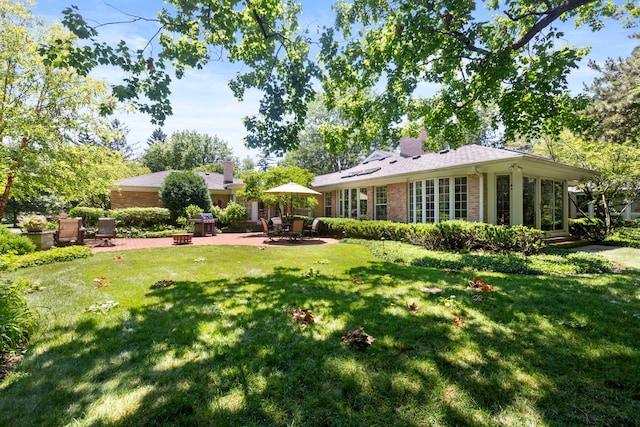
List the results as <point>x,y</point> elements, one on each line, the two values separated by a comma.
<point>204,224</point>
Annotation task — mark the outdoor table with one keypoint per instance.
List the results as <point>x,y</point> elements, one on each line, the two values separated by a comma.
<point>182,238</point>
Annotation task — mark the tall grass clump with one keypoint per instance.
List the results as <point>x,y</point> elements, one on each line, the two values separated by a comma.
<point>17,321</point>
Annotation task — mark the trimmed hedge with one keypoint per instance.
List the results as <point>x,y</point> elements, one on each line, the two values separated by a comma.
<point>447,235</point>
<point>126,217</point>
<point>12,262</point>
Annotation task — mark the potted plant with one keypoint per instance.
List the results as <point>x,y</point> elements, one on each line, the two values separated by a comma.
<point>34,223</point>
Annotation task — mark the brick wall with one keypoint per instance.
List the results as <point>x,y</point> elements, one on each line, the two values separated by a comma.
<point>473,198</point>
<point>397,202</point>
<point>138,199</point>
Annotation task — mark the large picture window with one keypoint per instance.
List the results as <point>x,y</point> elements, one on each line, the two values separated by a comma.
<point>439,199</point>
<point>552,204</point>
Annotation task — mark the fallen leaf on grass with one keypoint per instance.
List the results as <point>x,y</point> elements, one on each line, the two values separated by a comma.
<point>163,284</point>
<point>302,315</point>
<point>479,285</point>
<point>458,321</point>
<point>357,281</point>
<point>357,338</point>
<point>101,282</point>
<point>413,307</point>
<point>117,258</point>
<point>478,298</point>
<point>430,290</point>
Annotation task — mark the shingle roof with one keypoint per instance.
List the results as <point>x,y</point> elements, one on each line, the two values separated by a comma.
<point>382,164</point>
<point>215,181</point>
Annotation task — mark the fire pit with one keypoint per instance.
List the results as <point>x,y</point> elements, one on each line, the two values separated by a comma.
<point>204,224</point>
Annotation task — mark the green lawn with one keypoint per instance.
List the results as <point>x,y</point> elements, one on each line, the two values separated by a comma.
<point>219,346</point>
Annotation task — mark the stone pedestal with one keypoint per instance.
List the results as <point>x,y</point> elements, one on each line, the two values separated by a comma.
<point>42,239</point>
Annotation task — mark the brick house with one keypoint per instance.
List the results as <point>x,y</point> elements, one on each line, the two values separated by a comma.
<point>144,190</point>
<point>473,183</point>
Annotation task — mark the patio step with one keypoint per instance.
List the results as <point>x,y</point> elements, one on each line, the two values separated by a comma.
<point>566,242</point>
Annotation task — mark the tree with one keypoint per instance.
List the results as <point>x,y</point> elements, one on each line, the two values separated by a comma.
<point>511,54</point>
<point>181,189</point>
<point>615,100</point>
<point>313,154</point>
<point>186,150</point>
<point>255,183</point>
<point>44,110</point>
<point>157,136</point>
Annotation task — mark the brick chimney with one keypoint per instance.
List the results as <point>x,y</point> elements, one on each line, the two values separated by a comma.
<point>410,147</point>
<point>228,172</point>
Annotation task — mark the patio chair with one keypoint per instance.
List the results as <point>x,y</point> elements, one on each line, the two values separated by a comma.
<point>297,228</point>
<point>270,232</point>
<point>106,231</point>
<point>277,223</point>
<point>314,228</point>
<point>70,232</point>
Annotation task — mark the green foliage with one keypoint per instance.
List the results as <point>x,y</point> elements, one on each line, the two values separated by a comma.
<point>10,262</point>
<point>507,54</point>
<point>14,243</point>
<point>181,189</point>
<point>588,228</point>
<point>548,262</point>
<point>186,150</point>
<point>446,235</point>
<point>232,215</point>
<point>34,223</point>
<point>17,320</point>
<point>140,217</point>
<point>627,237</point>
<point>89,215</point>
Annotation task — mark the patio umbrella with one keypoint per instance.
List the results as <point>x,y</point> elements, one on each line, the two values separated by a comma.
<point>292,189</point>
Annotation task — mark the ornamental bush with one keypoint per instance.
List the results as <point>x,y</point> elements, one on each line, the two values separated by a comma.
<point>589,228</point>
<point>181,189</point>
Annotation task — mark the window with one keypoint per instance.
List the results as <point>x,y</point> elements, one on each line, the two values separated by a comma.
<point>503,199</point>
<point>431,200</point>
<point>444,205</point>
<point>328,207</point>
<point>460,197</point>
<point>381,203</point>
<point>353,203</point>
<point>529,202</point>
<point>552,201</point>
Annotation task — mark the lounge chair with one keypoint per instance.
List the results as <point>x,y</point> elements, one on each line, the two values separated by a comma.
<point>314,228</point>
<point>70,232</point>
<point>106,231</point>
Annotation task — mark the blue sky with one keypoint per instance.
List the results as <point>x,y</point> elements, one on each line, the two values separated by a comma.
<point>202,100</point>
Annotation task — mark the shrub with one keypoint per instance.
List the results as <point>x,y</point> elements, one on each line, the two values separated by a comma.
<point>89,215</point>
<point>589,228</point>
<point>181,189</point>
<point>17,321</point>
<point>141,217</point>
<point>232,215</point>
<point>12,243</point>
<point>448,235</point>
<point>12,262</point>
